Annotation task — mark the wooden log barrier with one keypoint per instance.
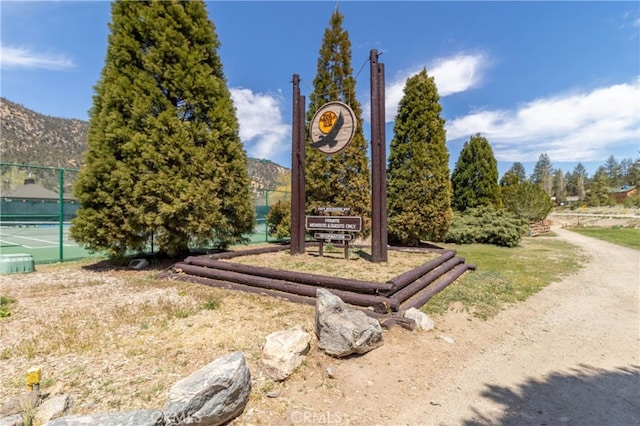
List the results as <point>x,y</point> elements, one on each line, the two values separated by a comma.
<point>422,297</point>
<point>298,277</point>
<point>248,252</point>
<point>380,303</point>
<point>296,298</point>
<point>422,282</point>
<point>408,277</point>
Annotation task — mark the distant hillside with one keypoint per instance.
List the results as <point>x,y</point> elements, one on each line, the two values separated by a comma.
<point>32,138</point>
<point>27,137</point>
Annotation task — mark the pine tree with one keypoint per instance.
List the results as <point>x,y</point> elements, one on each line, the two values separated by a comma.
<point>633,173</point>
<point>559,187</point>
<point>475,176</point>
<point>543,173</point>
<point>527,201</point>
<point>164,159</point>
<point>342,179</point>
<point>577,181</point>
<point>614,172</point>
<point>419,189</point>
<point>515,175</point>
<point>599,189</point>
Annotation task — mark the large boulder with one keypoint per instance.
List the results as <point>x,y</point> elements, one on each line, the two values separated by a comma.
<point>213,395</point>
<point>284,351</point>
<point>13,420</point>
<point>343,330</point>
<point>17,404</point>
<point>53,408</point>
<point>125,418</point>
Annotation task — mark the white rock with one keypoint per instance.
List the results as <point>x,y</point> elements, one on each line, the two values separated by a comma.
<point>423,322</point>
<point>284,351</point>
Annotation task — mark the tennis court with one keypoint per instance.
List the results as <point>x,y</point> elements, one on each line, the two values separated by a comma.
<point>42,241</point>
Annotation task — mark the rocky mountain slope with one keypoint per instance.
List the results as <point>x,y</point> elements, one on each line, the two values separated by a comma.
<point>27,137</point>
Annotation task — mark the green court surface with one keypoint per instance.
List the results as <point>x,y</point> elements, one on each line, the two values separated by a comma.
<point>42,241</point>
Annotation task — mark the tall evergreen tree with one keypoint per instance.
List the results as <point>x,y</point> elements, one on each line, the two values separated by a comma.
<point>559,187</point>
<point>419,189</point>
<point>342,179</point>
<point>543,174</point>
<point>599,189</point>
<point>515,175</point>
<point>164,157</point>
<point>577,182</point>
<point>614,171</point>
<point>633,173</point>
<point>626,167</point>
<point>475,176</point>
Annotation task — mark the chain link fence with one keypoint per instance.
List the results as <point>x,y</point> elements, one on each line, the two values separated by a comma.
<point>37,206</point>
<point>263,200</point>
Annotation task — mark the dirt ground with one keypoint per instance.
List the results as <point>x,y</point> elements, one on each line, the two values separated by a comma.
<point>568,355</point>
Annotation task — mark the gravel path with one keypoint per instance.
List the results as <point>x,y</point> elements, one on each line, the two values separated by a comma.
<point>569,355</point>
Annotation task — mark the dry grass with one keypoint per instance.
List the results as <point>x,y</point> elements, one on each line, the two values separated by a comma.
<point>333,263</point>
<point>117,339</point>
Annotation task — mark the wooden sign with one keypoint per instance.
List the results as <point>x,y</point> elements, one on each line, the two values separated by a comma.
<point>334,223</point>
<point>335,237</point>
<point>341,210</point>
<point>333,127</point>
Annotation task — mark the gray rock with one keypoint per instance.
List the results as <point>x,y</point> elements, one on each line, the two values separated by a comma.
<point>126,418</point>
<point>422,320</point>
<point>213,395</point>
<point>14,420</point>
<point>54,407</point>
<point>343,330</point>
<point>17,404</point>
<point>284,351</point>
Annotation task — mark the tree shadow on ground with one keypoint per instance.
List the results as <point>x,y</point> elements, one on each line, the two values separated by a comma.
<point>587,396</point>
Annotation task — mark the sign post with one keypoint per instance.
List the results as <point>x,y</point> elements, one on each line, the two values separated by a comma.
<point>332,228</point>
<point>379,237</point>
<point>297,171</point>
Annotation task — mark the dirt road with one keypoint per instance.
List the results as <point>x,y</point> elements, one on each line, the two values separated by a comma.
<point>572,355</point>
<point>569,355</point>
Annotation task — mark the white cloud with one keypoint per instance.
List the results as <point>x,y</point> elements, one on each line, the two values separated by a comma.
<point>262,129</point>
<point>570,127</point>
<point>452,74</point>
<point>18,57</point>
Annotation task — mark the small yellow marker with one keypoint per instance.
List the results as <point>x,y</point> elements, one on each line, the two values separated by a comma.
<point>33,378</point>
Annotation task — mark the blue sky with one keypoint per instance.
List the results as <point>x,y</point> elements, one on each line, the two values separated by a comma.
<point>561,78</point>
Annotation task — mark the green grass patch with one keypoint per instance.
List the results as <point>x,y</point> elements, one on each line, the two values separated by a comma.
<point>626,237</point>
<point>505,275</point>
<point>5,302</point>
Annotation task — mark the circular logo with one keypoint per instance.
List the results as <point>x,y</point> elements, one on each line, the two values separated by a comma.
<point>333,127</point>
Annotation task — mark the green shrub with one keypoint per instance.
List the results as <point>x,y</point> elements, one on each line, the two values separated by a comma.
<point>486,225</point>
<point>279,220</point>
<point>4,306</point>
<point>211,304</point>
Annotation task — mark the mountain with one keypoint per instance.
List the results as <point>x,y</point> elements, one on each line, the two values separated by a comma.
<point>31,138</point>
<point>27,137</point>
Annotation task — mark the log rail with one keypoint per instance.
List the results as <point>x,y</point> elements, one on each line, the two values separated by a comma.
<point>384,301</point>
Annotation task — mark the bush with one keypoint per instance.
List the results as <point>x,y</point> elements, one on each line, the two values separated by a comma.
<point>279,220</point>
<point>4,306</point>
<point>486,225</point>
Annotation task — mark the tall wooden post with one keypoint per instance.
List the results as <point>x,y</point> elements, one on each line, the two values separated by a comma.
<point>297,170</point>
<point>379,239</point>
